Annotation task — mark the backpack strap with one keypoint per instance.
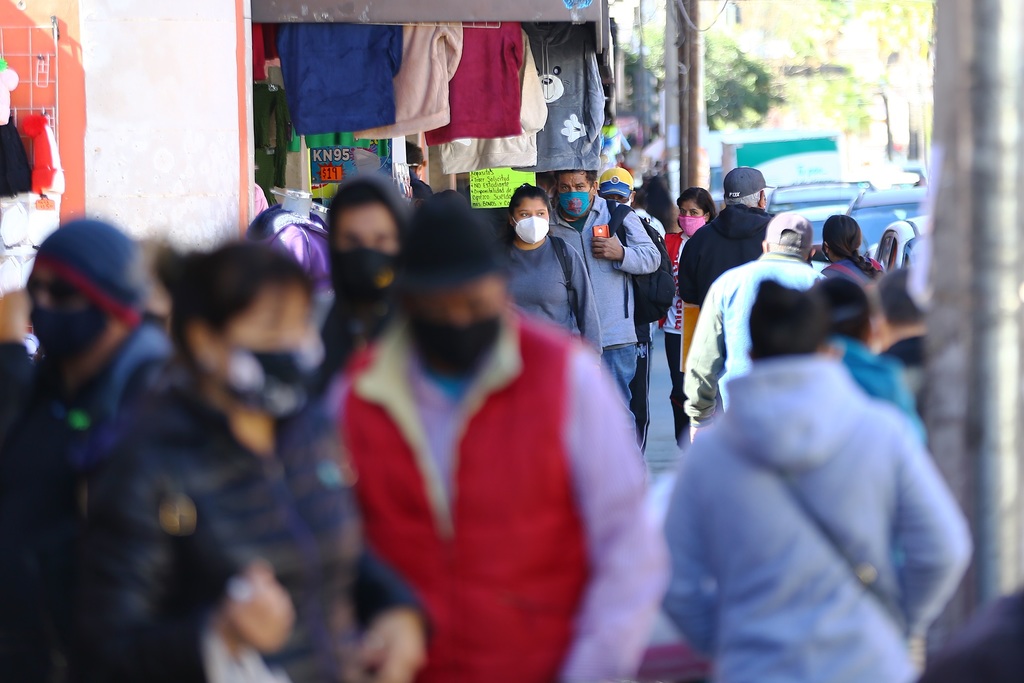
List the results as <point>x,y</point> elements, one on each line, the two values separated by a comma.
<point>617,227</point>
<point>617,224</point>
<point>562,254</point>
<point>846,270</point>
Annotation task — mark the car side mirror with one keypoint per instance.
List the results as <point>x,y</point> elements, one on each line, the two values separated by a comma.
<point>818,254</point>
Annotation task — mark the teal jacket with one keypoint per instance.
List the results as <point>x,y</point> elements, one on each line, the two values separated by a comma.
<point>880,378</point>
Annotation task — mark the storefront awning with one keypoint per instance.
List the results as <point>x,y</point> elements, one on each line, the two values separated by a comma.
<point>403,11</point>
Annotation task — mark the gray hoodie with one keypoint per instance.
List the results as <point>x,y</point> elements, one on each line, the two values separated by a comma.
<point>567,63</point>
<point>755,582</point>
<point>611,282</point>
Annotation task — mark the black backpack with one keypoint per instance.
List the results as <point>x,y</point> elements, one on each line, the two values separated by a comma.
<point>653,293</point>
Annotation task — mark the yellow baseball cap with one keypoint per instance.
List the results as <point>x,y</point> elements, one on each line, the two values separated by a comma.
<point>617,181</point>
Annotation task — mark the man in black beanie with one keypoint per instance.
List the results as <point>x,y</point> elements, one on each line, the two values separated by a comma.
<point>496,459</point>
<point>87,293</point>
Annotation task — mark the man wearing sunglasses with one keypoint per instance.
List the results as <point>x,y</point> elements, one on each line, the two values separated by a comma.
<point>85,300</point>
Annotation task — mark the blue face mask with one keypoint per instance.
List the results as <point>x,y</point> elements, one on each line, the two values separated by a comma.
<point>574,204</point>
<point>66,334</point>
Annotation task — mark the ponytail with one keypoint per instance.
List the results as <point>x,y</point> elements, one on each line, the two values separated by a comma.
<point>843,236</point>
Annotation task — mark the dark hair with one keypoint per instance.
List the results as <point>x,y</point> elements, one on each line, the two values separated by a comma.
<point>898,306</point>
<point>365,191</point>
<point>843,237</point>
<point>218,286</point>
<point>849,307</point>
<point>659,201</point>
<point>524,192</point>
<point>787,322</point>
<point>702,198</point>
<point>591,175</point>
<point>640,199</point>
<point>450,196</point>
<point>547,179</point>
<point>413,154</point>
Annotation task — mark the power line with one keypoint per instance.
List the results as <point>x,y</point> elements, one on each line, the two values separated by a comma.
<point>693,26</point>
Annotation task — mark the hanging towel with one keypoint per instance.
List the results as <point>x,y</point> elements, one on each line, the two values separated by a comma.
<point>259,54</point>
<point>463,156</point>
<point>47,174</point>
<point>339,77</point>
<point>485,94</point>
<point>430,57</point>
<point>567,59</point>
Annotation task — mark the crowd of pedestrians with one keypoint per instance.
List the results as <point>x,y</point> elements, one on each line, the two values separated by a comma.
<point>437,474</point>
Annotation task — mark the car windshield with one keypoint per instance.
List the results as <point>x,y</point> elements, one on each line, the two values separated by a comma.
<point>874,220</point>
<point>798,204</point>
<point>819,228</point>
<point>819,214</point>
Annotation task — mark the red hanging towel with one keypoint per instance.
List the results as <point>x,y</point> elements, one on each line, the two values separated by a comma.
<point>259,55</point>
<point>264,49</point>
<point>485,94</point>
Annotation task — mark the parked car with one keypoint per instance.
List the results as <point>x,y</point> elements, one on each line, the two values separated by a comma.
<point>813,195</point>
<point>876,211</point>
<point>896,247</point>
<point>817,215</point>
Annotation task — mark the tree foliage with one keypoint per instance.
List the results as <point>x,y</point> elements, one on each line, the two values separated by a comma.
<point>905,28</point>
<point>739,89</point>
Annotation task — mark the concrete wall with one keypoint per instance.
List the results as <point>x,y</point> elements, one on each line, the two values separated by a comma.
<point>165,123</point>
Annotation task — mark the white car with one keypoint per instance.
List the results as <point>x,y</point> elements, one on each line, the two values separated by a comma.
<point>896,247</point>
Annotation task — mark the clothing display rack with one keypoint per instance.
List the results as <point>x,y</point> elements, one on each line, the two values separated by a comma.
<point>469,12</point>
<point>32,53</point>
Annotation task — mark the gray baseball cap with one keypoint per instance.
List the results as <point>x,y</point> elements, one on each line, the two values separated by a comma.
<point>790,222</point>
<point>742,182</point>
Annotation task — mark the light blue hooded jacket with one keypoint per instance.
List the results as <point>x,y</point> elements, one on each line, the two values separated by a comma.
<point>721,342</point>
<point>757,585</point>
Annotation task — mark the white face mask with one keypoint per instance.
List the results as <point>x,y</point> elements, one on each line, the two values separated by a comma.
<point>533,229</point>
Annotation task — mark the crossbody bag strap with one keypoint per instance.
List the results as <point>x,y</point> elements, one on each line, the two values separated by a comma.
<point>864,572</point>
<point>856,274</point>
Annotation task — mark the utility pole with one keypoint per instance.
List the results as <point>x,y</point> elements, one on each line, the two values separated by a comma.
<point>670,119</point>
<point>973,405</point>
<point>695,73</point>
<point>691,91</point>
<point>683,38</point>
<point>640,83</point>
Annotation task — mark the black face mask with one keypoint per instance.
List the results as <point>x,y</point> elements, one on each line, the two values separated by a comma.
<point>458,349</point>
<point>362,275</point>
<point>66,334</point>
<point>274,382</point>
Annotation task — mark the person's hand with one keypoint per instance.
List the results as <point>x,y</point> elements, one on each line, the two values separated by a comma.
<point>395,647</point>
<point>694,431</point>
<point>608,249</point>
<point>15,308</point>
<point>257,612</point>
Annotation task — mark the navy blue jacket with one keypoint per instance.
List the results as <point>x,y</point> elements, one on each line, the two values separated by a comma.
<point>51,445</point>
<point>339,77</point>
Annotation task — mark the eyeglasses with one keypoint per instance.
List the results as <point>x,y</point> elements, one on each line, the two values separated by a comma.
<point>59,292</point>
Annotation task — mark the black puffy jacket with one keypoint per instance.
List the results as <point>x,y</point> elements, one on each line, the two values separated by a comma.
<point>52,445</point>
<point>182,507</point>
